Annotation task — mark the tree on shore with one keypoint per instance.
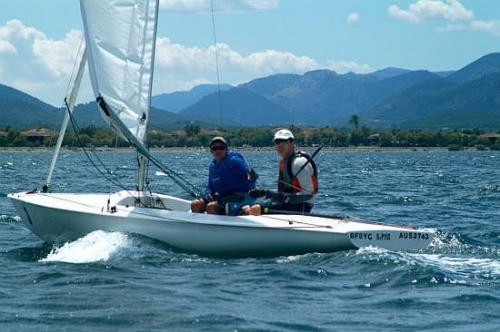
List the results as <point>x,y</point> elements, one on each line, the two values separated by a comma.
<point>196,136</point>
<point>354,121</point>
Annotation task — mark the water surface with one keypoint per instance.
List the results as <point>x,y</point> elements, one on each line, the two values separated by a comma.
<point>114,281</point>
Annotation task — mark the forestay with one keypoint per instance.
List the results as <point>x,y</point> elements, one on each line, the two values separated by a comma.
<point>120,40</point>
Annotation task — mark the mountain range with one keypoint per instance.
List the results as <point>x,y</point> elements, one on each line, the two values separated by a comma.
<point>390,98</point>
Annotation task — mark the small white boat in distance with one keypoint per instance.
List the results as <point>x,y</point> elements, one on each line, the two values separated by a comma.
<point>119,51</point>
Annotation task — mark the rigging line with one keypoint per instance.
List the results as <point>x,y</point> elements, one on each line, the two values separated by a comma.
<point>113,179</point>
<point>219,97</point>
<point>292,221</point>
<point>147,184</point>
<point>65,199</point>
<point>75,64</point>
<point>177,178</point>
<point>120,126</point>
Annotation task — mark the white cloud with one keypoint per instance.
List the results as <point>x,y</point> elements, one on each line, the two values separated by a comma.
<point>42,66</point>
<point>451,27</point>
<point>352,18</point>
<point>455,15</point>
<point>7,47</point>
<point>182,5</point>
<point>219,5</point>
<point>269,62</point>
<point>16,30</point>
<point>33,63</point>
<point>178,66</point>
<point>492,26</point>
<point>58,55</point>
<point>448,10</point>
<point>342,67</point>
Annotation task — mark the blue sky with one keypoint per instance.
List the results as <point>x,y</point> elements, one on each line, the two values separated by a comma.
<point>256,38</point>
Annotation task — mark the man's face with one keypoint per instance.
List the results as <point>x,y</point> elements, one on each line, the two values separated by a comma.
<point>218,150</point>
<point>283,147</point>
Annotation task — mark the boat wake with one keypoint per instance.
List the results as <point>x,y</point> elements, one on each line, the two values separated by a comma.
<point>94,247</point>
<point>7,218</point>
<point>448,260</point>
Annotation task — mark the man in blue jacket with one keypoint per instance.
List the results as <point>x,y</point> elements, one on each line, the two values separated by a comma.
<point>229,180</point>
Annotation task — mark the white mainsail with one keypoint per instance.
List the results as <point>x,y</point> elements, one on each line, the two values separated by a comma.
<point>120,40</point>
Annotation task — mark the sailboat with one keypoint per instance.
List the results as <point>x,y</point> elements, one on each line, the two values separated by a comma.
<point>119,51</point>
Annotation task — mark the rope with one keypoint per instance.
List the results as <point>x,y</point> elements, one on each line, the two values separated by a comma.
<point>216,63</point>
<point>111,179</point>
<point>177,178</point>
<point>290,222</point>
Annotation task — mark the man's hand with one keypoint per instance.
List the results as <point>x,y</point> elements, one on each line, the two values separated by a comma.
<point>207,198</point>
<point>255,193</point>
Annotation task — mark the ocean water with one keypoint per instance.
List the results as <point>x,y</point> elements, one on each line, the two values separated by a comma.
<point>122,282</point>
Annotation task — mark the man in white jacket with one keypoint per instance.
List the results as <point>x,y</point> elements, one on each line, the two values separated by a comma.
<point>297,180</point>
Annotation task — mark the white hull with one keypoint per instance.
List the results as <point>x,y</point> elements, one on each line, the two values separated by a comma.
<point>57,218</point>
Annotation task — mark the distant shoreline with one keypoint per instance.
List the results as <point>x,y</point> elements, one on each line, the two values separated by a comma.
<point>248,149</point>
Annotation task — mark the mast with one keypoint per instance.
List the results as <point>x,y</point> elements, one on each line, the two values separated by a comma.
<point>142,160</point>
<point>141,172</point>
<point>70,104</point>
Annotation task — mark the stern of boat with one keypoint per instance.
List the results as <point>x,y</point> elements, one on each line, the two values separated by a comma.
<point>392,239</point>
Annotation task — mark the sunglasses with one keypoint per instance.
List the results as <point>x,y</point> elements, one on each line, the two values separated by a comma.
<point>279,141</point>
<point>218,148</point>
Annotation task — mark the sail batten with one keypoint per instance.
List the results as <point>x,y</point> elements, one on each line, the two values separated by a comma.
<point>120,38</point>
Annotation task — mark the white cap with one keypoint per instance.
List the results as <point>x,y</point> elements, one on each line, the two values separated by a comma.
<point>284,134</point>
<point>218,139</point>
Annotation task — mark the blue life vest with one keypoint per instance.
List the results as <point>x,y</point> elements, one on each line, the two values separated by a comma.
<point>230,175</point>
